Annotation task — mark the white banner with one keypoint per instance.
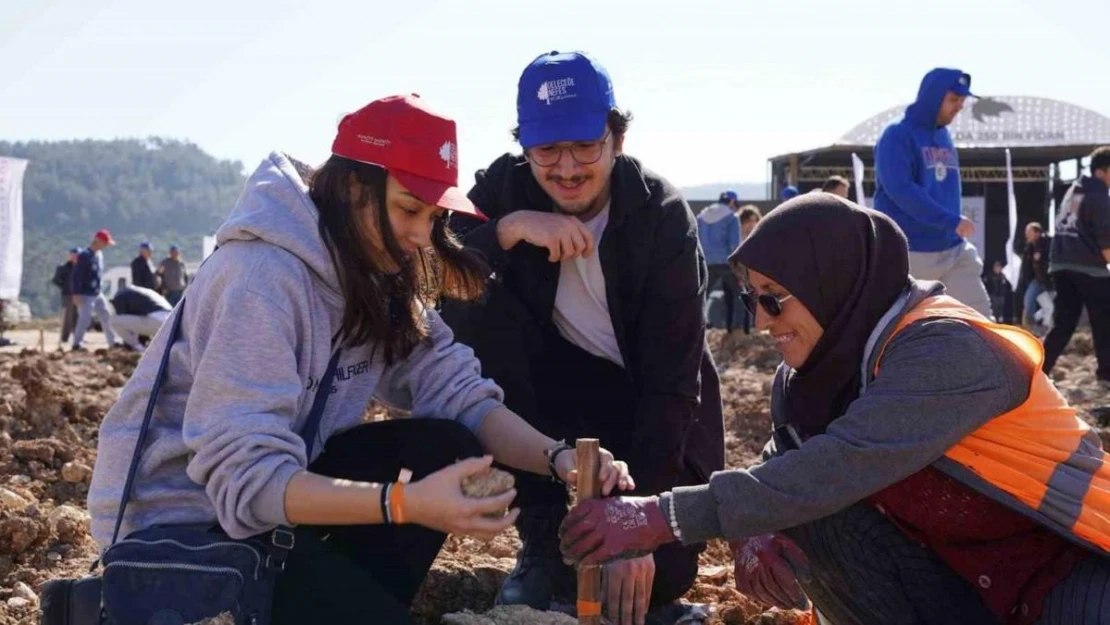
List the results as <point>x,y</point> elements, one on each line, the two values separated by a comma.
<point>1052,200</point>
<point>975,209</point>
<point>11,226</point>
<point>857,170</point>
<point>1013,261</point>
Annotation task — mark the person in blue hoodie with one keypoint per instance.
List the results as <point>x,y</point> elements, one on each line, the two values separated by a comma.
<point>719,235</point>
<point>917,176</point>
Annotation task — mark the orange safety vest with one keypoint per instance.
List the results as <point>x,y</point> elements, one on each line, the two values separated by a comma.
<point>1040,453</point>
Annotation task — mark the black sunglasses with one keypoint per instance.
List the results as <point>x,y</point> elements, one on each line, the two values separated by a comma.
<point>771,304</point>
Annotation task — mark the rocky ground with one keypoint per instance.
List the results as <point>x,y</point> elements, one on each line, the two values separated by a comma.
<point>51,405</point>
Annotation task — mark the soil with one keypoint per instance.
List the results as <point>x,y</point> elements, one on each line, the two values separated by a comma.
<point>51,406</point>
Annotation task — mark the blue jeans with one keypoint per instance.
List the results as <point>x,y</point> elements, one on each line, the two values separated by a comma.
<point>1034,289</point>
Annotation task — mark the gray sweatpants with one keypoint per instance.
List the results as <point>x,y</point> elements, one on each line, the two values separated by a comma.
<point>867,571</point>
<point>961,271</point>
<point>85,306</point>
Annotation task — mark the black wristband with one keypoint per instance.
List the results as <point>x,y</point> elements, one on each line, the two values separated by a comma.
<point>550,454</point>
<point>385,504</point>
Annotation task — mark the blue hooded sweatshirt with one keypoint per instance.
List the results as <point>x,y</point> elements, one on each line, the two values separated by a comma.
<point>917,171</point>
<point>719,233</point>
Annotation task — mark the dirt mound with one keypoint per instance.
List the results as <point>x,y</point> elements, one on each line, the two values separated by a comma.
<point>51,406</point>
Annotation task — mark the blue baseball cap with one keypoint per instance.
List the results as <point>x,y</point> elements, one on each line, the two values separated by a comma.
<point>146,246</point>
<point>174,248</point>
<point>728,196</point>
<point>563,96</point>
<point>789,191</point>
<point>74,250</point>
<point>962,86</point>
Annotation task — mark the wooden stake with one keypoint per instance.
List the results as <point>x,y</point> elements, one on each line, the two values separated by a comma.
<point>589,487</point>
<point>42,341</point>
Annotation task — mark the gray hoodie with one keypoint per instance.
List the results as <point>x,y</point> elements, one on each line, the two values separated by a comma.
<point>256,339</point>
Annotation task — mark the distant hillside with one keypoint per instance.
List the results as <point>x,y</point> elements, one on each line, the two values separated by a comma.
<point>713,190</point>
<point>161,190</point>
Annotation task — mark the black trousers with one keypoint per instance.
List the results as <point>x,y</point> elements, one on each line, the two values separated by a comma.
<point>1074,291</point>
<point>69,317</point>
<point>867,571</point>
<point>566,393</point>
<point>369,573</point>
<point>731,291</point>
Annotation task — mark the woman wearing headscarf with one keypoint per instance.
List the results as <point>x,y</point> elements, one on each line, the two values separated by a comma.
<point>921,468</point>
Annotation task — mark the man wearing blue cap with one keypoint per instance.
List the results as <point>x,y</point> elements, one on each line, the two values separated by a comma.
<point>719,233</point>
<point>142,269</point>
<point>173,275</point>
<point>593,324</point>
<point>789,192</point>
<point>917,183</point>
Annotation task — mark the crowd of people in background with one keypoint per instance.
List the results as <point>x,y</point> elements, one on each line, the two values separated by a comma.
<point>906,477</point>
<point>927,207</point>
<point>137,308</point>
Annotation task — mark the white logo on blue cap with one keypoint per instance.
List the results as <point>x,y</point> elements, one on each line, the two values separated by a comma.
<point>555,90</point>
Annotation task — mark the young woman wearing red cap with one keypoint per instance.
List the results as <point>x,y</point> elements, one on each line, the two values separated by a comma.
<point>326,279</point>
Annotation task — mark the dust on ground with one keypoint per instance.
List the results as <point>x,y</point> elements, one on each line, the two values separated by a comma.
<point>51,406</point>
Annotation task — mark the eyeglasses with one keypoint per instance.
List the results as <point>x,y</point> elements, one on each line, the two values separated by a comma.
<point>583,152</point>
<point>770,303</point>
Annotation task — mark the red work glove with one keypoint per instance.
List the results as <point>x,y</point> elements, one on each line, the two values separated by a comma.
<point>598,531</point>
<point>768,568</point>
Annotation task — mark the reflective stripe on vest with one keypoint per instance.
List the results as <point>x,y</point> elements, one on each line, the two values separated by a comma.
<point>1041,452</point>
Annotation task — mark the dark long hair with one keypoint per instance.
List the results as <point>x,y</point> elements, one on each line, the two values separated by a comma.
<point>381,307</point>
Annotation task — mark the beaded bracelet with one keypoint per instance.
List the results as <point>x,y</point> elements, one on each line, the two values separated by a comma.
<point>673,520</point>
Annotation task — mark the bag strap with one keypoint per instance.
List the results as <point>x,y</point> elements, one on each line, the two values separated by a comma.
<point>308,433</point>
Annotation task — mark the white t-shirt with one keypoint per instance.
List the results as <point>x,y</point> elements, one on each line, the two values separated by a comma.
<point>581,307</point>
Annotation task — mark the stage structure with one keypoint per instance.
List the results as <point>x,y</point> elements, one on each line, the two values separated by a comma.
<point>1040,133</point>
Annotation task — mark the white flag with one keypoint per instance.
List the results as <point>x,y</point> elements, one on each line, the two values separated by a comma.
<point>1052,200</point>
<point>11,226</point>
<point>857,169</point>
<point>1013,261</point>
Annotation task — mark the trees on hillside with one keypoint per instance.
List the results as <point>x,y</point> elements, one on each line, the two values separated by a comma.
<point>161,190</point>
<point>129,185</point>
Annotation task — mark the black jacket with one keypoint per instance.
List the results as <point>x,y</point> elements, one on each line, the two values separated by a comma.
<point>139,301</point>
<point>655,279</point>
<point>1082,229</point>
<point>62,274</point>
<point>142,273</point>
<point>1034,262</point>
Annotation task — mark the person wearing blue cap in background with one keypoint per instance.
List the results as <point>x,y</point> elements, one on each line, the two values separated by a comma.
<point>173,275</point>
<point>789,192</point>
<point>142,269</point>
<point>917,184</point>
<point>61,277</point>
<point>593,324</point>
<point>719,233</point>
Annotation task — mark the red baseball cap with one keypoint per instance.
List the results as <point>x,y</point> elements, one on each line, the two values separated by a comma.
<point>415,145</point>
<point>104,235</point>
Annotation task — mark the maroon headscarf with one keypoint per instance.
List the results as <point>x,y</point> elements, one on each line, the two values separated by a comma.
<point>847,265</point>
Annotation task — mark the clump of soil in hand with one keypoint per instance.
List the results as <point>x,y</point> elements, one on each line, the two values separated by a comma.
<point>488,482</point>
